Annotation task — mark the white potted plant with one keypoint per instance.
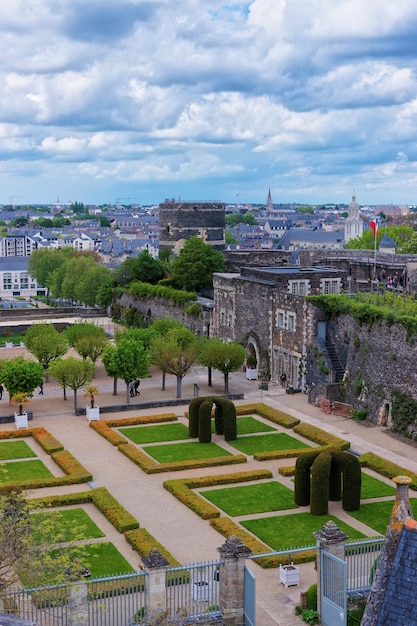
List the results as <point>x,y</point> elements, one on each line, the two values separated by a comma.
<point>21,418</point>
<point>251,368</point>
<point>289,574</point>
<point>92,412</point>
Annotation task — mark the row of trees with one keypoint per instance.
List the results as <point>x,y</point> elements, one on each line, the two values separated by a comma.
<point>168,344</point>
<point>81,278</point>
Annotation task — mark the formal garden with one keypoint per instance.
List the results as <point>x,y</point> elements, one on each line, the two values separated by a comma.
<point>255,505</point>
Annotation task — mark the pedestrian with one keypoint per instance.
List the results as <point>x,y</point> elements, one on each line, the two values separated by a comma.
<point>41,389</point>
<point>1,391</point>
<point>283,379</point>
<point>136,386</point>
<point>131,388</point>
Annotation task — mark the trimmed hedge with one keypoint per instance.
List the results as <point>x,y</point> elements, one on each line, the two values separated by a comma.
<point>273,415</point>
<point>150,466</point>
<point>287,470</point>
<point>75,472</point>
<point>143,543</point>
<point>44,438</point>
<point>204,421</point>
<point>320,436</point>
<point>116,439</point>
<point>387,468</point>
<point>112,510</point>
<point>320,477</point>
<point>182,489</point>
<point>227,527</point>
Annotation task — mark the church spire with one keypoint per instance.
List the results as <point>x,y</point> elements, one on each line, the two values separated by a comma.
<point>269,203</point>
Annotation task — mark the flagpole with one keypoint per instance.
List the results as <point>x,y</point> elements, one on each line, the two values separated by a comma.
<point>375,234</point>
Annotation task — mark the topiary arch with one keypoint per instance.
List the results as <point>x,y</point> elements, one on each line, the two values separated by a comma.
<point>322,472</point>
<point>200,413</point>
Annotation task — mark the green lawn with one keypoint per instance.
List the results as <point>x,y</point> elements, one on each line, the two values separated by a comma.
<point>267,443</point>
<point>23,470</point>
<point>151,434</point>
<point>375,488</point>
<point>294,531</point>
<point>67,525</point>
<point>15,450</point>
<point>103,559</point>
<point>247,499</point>
<point>185,452</point>
<point>377,515</point>
<point>247,425</point>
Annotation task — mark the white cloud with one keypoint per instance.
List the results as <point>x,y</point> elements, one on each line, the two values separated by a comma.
<point>240,95</point>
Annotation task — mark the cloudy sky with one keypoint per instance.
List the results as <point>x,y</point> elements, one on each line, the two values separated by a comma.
<point>141,100</point>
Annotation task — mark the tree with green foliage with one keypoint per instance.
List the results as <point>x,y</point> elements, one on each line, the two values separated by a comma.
<point>78,207</point>
<point>88,339</point>
<point>143,267</point>
<point>73,373</point>
<point>222,356</point>
<point>306,210</point>
<point>192,270</point>
<point>161,326</point>
<point>110,364</point>
<point>19,375</point>
<point>90,283</point>
<point>401,234</point>
<point>233,219</point>
<point>43,263</point>
<point>130,361</point>
<point>175,353</point>
<point>46,343</point>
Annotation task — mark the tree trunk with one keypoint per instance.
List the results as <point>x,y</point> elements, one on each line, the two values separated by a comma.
<point>115,386</point>
<point>127,393</point>
<point>179,381</point>
<point>226,382</point>
<point>75,401</point>
<point>164,374</point>
<point>209,373</point>
<point>65,393</point>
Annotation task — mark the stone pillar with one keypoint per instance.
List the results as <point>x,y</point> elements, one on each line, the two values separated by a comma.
<point>331,539</point>
<point>234,553</point>
<point>155,588</point>
<point>78,604</point>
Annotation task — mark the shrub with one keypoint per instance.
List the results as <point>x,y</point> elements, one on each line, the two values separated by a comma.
<point>204,421</point>
<point>360,415</point>
<point>320,475</point>
<point>312,597</point>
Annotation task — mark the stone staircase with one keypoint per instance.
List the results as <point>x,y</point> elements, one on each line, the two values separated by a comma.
<point>335,361</point>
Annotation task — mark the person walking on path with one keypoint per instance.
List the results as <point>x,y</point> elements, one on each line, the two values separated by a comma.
<point>1,391</point>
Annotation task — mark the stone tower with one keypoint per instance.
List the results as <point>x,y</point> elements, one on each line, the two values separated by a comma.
<point>269,203</point>
<point>354,223</point>
<point>179,221</point>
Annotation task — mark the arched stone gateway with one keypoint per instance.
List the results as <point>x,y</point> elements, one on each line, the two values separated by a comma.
<point>200,413</point>
<point>326,474</point>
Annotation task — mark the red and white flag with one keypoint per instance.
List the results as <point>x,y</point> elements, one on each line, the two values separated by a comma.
<point>374,226</point>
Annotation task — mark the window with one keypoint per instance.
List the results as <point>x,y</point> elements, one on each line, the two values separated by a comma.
<point>291,322</point>
<point>331,285</point>
<point>7,280</point>
<point>298,287</point>
<point>280,319</point>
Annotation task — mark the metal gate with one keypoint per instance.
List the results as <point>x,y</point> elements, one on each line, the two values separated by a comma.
<point>249,602</point>
<point>333,590</point>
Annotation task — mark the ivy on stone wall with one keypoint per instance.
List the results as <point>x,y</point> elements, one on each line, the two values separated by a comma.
<point>404,412</point>
<point>366,313</point>
<point>146,290</point>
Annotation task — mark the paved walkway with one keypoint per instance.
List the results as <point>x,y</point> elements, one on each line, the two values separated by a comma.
<point>183,533</point>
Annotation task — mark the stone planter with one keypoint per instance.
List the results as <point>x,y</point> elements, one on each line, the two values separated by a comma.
<point>21,421</point>
<point>93,414</point>
<point>201,590</point>
<point>289,575</point>
<point>251,373</point>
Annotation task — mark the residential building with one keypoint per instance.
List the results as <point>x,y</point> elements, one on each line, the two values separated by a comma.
<point>15,280</point>
<point>17,245</point>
